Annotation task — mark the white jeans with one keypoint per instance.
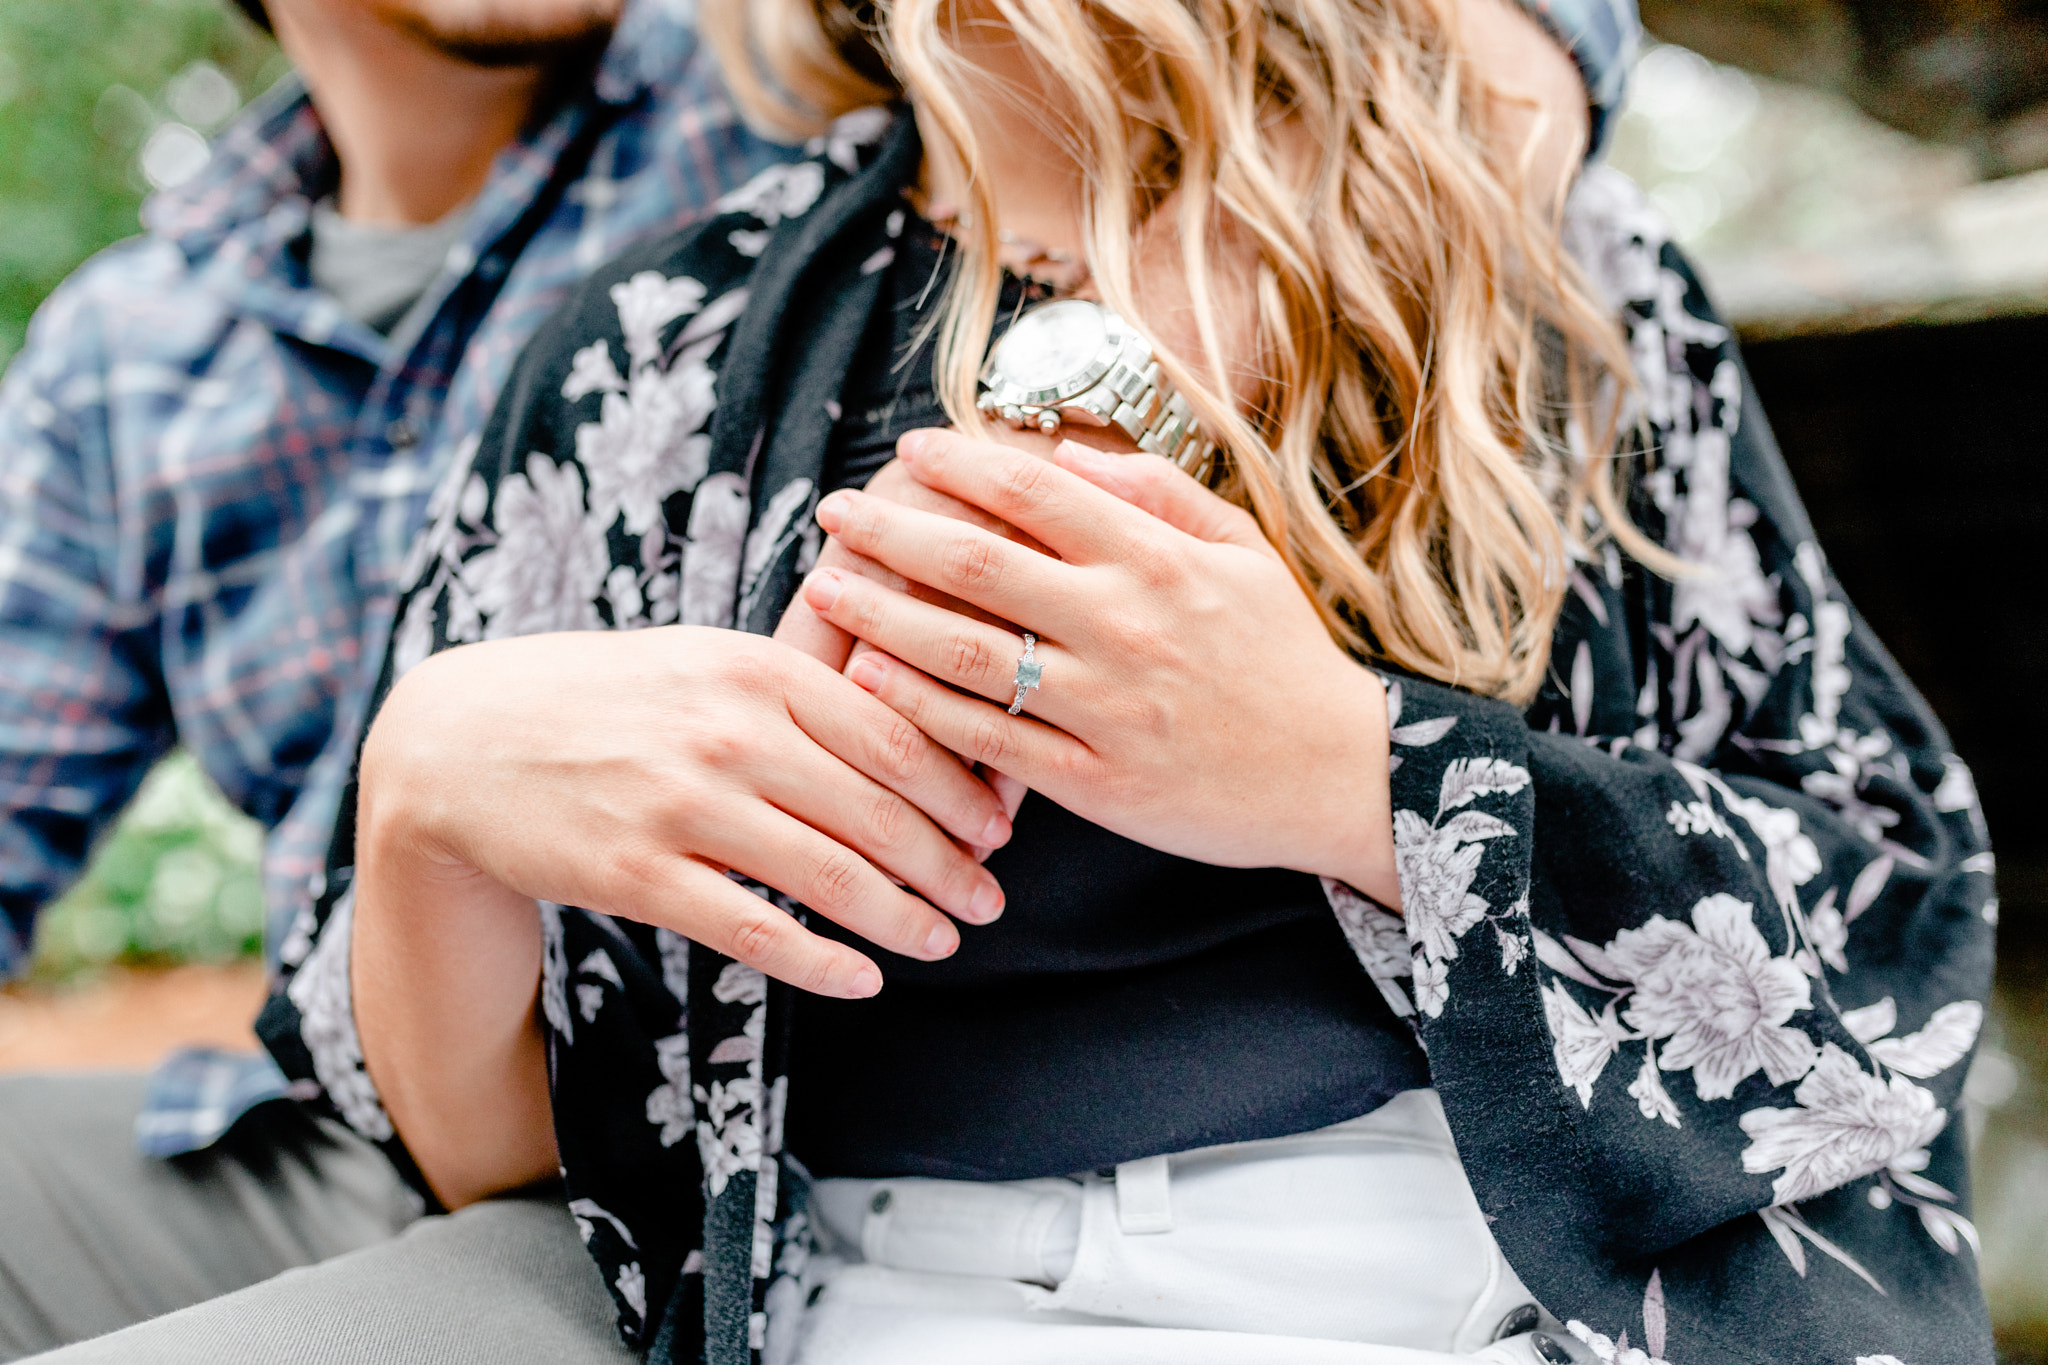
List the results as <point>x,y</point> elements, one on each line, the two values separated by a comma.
<point>1360,1244</point>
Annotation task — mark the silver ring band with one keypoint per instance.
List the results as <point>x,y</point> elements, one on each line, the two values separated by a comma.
<point>1029,671</point>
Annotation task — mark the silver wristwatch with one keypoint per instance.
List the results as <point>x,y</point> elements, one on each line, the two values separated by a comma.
<point>1075,361</point>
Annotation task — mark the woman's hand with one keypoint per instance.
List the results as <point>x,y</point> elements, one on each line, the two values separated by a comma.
<point>1192,699</point>
<point>803,629</point>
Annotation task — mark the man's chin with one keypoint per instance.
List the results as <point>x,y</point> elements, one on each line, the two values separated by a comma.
<point>505,33</point>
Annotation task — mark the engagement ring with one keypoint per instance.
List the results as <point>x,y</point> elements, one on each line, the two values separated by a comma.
<point>1029,670</point>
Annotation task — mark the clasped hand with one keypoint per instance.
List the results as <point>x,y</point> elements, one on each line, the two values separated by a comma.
<point>1192,699</point>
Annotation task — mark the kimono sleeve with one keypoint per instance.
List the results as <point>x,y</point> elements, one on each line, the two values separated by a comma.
<point>521,539</point>
<point>1700,961</point>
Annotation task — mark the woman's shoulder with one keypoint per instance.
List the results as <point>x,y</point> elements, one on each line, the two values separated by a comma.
<point>639,299</point>
<point>632,300</point>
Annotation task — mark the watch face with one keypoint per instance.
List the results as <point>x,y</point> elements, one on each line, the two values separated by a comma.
<point>1052,347</point>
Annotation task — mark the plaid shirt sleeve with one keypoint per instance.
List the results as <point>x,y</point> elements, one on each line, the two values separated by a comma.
<point>83,714</point>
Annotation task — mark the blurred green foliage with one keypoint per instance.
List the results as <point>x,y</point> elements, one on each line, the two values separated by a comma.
<point>99,101</point>
<point>175,882</point>
<point>85,88</point>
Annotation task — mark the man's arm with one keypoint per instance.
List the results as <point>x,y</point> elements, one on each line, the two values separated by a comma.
<point>82,713</point>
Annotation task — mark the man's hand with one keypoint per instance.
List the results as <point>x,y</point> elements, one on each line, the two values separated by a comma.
<point>627,772</point>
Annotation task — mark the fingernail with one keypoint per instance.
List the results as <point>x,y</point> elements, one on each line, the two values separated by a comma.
<point>822,589</point>
<point>832,510</point>
<point>1076,453</point>
<point>865,982</point>
<point>986,905</point>
<point>912,444</point>
<point>943,940</point>
<point>865,672</point>
<point>997,832</point>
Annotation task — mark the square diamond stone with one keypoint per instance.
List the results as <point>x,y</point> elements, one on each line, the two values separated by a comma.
<point>1028,673</point>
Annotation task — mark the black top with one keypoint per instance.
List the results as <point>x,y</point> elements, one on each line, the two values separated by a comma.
<point>1127,1003</point>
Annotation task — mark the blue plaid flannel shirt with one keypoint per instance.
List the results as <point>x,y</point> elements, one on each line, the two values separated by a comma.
<point>210,476</point>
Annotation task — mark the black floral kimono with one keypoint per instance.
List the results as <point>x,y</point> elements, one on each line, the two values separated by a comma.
<point>1698,945</point>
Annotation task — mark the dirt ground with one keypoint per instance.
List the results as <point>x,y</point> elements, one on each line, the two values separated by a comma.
<point>127,1019</point>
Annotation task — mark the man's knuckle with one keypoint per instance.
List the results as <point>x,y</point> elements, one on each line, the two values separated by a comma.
<point>637,871</point>
<point>814,974</point>
<point>836,880</point>
<point>725,748</point>
<point>909,927</point>
<point>903,751</point>
<point>887,819</point>
<point>911,704</point>
<point>758,934</point>
<point>961,877</point>
<point>749,671</point>
<point>990,741</point>
<point>969,563</point>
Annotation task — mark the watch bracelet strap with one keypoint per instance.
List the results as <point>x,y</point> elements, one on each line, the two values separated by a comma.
<point>1165,425</point>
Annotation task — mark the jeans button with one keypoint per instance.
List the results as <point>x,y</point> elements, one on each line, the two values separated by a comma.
<point>1523,1319</point>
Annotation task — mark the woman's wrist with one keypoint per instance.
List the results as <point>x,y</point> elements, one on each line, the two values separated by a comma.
<point>1358,849</point>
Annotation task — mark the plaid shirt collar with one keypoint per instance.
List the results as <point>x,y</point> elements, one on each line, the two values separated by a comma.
<point>241,218</point>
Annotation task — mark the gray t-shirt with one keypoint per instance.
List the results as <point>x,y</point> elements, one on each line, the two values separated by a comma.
<point>378,273</point>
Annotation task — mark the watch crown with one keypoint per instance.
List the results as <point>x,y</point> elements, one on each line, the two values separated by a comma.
<point>1048,421</point>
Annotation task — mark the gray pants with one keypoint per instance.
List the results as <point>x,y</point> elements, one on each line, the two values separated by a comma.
<point>289,1242</point>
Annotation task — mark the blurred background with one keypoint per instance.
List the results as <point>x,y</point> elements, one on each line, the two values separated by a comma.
<point>1866,185</point>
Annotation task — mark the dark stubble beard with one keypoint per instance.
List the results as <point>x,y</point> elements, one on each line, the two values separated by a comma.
<point>509,33</point>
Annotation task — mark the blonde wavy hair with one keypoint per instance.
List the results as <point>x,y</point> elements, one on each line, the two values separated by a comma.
<point>1440,393</point>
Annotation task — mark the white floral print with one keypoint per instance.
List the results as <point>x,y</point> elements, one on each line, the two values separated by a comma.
<point>648,443</point>
<point>669,1105</point>
<point>1609,1350</point>
<point>1647,1090</point>
<point>1379,941</point>
<point>711,555</point>
<point>729,1136</point>
<point>777,193</point>
<point>326,1006</point>
<point>1582,1042</point>
<point>647,303</point>
<point>632,1287</point>
<point>1715,992</point>
<point>548,568</point>
<point>554,973</point>
<point>1945,1040</point>
<point>1848,1123</point>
